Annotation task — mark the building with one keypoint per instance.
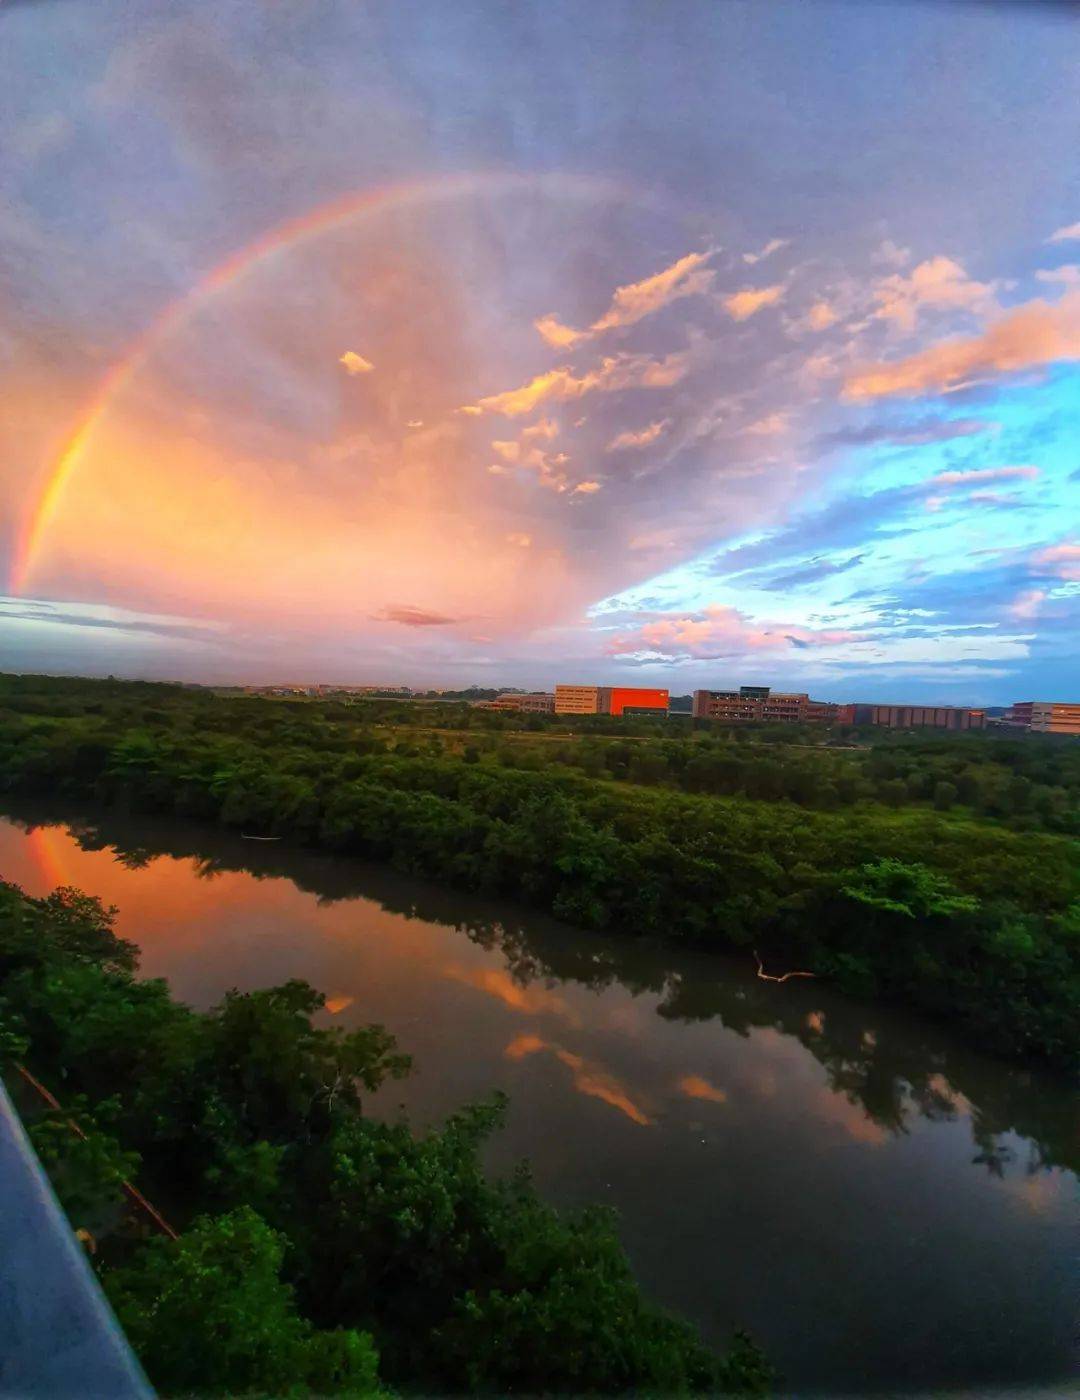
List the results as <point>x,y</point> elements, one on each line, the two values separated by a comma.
<point>760,703</point>
<point>534,704</point>
<point>632,700</point>
<point>577,699</point>
<point>1045,716</point>
<point>920,716</point>
<point>610,700</point>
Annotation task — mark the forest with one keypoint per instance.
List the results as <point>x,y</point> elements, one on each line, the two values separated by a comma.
<point>318,1250</point>
<point>940,872</point>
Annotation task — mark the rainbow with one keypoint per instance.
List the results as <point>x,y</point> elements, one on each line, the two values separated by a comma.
<point>238,265</point>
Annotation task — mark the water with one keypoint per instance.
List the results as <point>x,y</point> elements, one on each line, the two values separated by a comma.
<point>883,1208</point>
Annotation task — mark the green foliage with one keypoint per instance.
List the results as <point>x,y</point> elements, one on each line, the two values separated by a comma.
<point>891,886</point>
<point>331,1220</point>
<point>776,837</point>
<point>209,1314</point>
<point>87,1171</point>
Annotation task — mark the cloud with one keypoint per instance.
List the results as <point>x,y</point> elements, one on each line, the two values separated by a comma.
<point>614,372</point>
<point>817,569</point>
<point>1034,334</point>
<point>641,438</point>
<point>742,305</point>
<point>409,616</point>
<point>983,476</point>
<point>820,316</point>
<point>531,1000</point>
<point>769,426</point>
<point>1068,275</point>
<point>108,619</point>
<point>355,364</point>
<point>694,1086</point>
<point>1026,604</point>
<point>773,246</point>
<point>521,541</point>
<point>714,633</point>
<point>687,277</point>
<point>891,254</point>
<point>1058,560</point>
<point>589,1077</point>
<point>1068,234</point>
<point>938,283</point>
<point>523,454</point>
<point>586,488</point>
<point>922,430</point>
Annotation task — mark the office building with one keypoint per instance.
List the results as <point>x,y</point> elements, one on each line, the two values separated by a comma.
<point>532,704</point>
<point>577,699</point>
<point>632,700</point>
<point>761,703</point>
<point>920,716</point>
<point>1046,716</point>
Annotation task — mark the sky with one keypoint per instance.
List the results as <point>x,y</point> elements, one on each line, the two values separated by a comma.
<point>413,343</point>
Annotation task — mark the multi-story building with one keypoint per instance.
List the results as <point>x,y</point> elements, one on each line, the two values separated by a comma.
<point>920,716</point>
<point>577,699</point>
<point>1046,716</point>
<point>759,702</point>
<point>609,700</point>
<point>534,704</point>
<point>632,700</point>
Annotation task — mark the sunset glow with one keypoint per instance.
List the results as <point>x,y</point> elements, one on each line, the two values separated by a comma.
<point>372,361</point>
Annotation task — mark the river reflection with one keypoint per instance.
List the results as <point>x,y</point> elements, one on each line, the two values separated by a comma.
<point>884,1208</point>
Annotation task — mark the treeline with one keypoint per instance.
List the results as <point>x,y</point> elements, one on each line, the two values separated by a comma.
<point>320,1251</point>
<point>963,918</point>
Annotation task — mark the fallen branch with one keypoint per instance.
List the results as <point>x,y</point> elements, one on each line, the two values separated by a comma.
<point>768,977</point>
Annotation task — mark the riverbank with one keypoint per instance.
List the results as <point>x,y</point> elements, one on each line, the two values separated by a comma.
<point>963,919</point>
<point>767,1145</point>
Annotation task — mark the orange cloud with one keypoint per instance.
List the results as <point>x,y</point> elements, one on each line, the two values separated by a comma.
<point>614,372</point>
<point>695,1087</point>
<point>498,983</point>
<point>641,438</point>
<point>632,303</point>
<point>939,283</point>
<point>355,364</point>
<point>821,316</point>
<point>1035,334</point>
<point>589,1077</point>
<point>335,1005</point>
<point>586,488</point>
<point>742,305</point>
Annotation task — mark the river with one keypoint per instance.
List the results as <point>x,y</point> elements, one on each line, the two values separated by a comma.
<point>884,1209</point>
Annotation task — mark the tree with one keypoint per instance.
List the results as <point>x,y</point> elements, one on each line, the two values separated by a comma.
<point>209,1313</point>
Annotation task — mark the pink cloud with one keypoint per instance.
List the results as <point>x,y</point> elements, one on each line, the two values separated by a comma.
<point>1026,604</point>
<point>1034,334</point>
<point>719,631</point>
<point>1060,560</point>
<point>984,476</point>
<point>938,283</point>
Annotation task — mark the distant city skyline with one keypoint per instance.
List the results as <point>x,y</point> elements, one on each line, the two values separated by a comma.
<point>652,346</point>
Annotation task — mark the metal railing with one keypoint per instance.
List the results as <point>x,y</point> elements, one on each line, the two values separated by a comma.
<point>58,1335</point>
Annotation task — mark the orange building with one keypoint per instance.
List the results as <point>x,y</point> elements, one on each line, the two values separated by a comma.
<point>630,699</point>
